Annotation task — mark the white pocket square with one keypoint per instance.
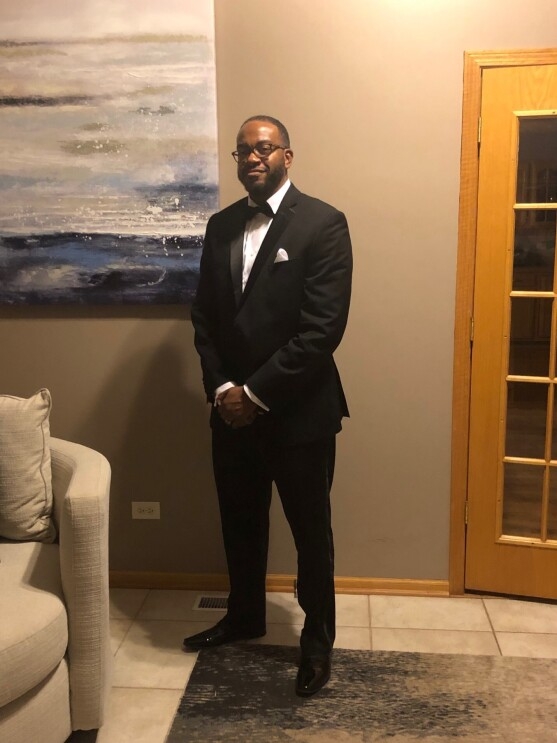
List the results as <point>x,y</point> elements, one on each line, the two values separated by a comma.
<point>281,256</point>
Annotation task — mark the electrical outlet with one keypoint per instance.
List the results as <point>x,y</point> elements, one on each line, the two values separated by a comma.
<point>146,510</point>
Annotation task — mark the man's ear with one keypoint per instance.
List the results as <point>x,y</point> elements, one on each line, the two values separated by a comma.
<point>288,157</point>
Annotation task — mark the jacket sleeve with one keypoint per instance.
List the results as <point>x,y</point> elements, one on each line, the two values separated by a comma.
<point>204,319</point>
<point>291,370</point>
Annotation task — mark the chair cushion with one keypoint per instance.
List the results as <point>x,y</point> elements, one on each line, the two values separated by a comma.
<point>33,620</point>
<point>42,715</point>
<point>25,469</point>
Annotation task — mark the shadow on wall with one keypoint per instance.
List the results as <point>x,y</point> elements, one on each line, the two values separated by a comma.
<point>151,422</point>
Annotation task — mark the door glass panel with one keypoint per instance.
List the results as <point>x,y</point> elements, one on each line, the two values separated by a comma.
<point>526,420</point>
<point>552,512</point>
<point>530,331</point>
<point>554,432</point>
<point>534,250</point>
<point>537,161</point>
<point>530,336</point>
<point>523,500</point>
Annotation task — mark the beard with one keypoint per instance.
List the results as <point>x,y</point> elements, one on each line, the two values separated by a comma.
<point>266,187</point>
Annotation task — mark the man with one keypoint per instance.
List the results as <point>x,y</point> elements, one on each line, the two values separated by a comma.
<point>271,308</point>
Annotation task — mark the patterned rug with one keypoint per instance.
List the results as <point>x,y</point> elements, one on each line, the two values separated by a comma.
<point>245,694</point>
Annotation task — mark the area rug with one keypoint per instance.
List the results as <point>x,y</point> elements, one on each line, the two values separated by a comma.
<point>245,694</point>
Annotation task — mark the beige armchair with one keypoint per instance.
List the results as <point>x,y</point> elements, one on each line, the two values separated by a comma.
<point>55,654</point>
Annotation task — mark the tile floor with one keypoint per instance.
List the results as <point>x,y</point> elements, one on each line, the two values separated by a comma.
<point>150,670</point>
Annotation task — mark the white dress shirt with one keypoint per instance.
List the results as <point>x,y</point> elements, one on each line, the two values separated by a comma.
<point>256,229</point>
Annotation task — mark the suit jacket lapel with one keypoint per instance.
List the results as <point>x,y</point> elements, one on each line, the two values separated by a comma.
<point>280,222</point>
<point>237,254</point>
<point>236,265</point>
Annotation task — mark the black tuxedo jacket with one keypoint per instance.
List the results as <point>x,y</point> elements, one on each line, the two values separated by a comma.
<point>279,334</point>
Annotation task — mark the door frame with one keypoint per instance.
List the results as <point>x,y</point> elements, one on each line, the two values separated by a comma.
<point>474,64</point>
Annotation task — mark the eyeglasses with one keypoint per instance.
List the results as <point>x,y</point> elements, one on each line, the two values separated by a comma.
<point>263,150</point>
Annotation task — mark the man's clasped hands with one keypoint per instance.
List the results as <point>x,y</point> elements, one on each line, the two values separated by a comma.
<point>235,407</point>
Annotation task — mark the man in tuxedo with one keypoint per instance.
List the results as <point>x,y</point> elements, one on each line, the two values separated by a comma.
<point>270,309</point>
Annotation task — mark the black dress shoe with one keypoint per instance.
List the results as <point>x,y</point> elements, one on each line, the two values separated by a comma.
<point>313,674</point>
<point>218,635</point>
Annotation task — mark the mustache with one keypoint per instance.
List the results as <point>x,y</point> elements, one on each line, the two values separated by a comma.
<point>261,166</point>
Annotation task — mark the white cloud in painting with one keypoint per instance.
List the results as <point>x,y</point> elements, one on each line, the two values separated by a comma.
<point>47,276</point>
<point>125,139</point>
<point>67,19</point>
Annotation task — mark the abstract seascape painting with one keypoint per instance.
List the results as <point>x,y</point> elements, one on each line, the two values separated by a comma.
<point>108,171</point>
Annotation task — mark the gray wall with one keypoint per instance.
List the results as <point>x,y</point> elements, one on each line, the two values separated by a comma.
<point>371,91</point>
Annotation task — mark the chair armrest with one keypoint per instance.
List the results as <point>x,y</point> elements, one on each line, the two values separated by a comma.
<point>81,487</point>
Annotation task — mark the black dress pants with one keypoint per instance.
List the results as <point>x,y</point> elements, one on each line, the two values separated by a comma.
<point>245,465</point>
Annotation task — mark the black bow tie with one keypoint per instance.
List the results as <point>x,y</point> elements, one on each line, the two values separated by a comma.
<point>251,211</point>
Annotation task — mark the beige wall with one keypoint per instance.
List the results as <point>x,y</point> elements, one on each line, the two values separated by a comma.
<point>371,92</point>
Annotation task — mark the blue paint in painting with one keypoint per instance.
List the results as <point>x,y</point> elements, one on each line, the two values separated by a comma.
<point>76,268</point>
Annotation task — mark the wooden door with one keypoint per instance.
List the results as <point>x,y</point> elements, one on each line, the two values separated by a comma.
<point>511,538</point>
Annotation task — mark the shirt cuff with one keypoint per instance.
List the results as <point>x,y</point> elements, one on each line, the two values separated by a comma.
<point>254,398</point>
<point>222,388</point>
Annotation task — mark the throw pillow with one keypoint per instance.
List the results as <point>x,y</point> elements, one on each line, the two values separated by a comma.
<point>25,471</point>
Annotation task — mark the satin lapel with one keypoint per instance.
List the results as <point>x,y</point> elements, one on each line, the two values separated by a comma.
<point>278,225</point>
<point>236,262</point>
<point>237,256</point>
